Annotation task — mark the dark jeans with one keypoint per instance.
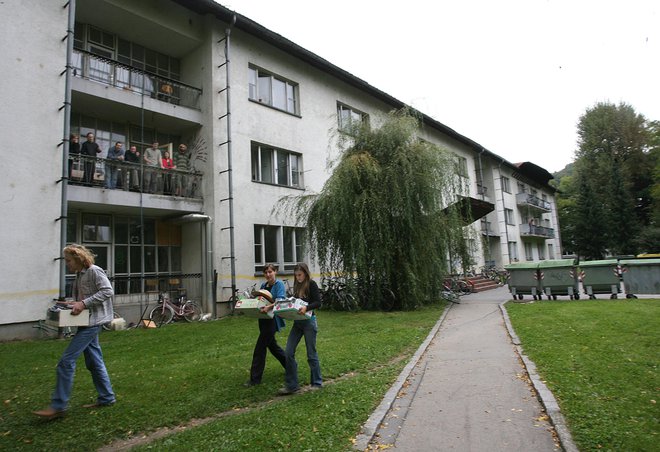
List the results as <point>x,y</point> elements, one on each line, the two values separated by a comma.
<point>266,340</point>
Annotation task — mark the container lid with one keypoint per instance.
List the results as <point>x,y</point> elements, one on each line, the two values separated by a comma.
<point>557,263</point>
<point>641,262</point>
<point>522,266</point>
<point>599,263</point>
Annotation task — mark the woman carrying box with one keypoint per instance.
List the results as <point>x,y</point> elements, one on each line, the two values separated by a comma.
<point>306,289</point>
<point>267,329</point>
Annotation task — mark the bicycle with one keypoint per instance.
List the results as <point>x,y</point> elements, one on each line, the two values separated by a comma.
<point>450,295</point>
<point>458,284</point>
<point>336,295</point>
<point>167,310</point>
<point>384,298</point>
<point>246,293</point>
<point>55,332</point>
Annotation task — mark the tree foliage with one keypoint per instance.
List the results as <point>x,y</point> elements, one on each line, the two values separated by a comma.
<point>609,207</point>
<point>379,219</point>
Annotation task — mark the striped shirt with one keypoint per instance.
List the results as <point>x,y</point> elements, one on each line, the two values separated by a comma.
<point>93,288</point>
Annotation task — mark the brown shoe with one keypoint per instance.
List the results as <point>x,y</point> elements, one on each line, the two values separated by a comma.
<point>50,413</point>
<point>98,405</point>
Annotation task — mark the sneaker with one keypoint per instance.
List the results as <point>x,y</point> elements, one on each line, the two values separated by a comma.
<point>315,387</point>
<point>287,391</point>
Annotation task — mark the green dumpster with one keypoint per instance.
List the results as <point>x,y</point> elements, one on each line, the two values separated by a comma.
<point>641,276</point>
<point>523,279</point>
<point>600,277</point>
<point>559,277</point>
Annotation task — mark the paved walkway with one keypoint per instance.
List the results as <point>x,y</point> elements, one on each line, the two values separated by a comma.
<point>465,390</point>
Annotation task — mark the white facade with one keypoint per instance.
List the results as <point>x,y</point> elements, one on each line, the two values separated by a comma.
<point>156,70</point>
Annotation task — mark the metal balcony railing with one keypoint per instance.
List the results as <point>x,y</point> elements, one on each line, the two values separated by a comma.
<point>121,175</point>
<point>531,230</point>
<point>110,72</point>
<point>526,199</point>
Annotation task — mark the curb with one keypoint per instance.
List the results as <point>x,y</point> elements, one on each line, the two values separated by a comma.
<point>370,427</point>
<point>544,394</point>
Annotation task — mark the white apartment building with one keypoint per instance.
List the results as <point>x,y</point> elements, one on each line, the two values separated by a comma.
<point>259,115</point>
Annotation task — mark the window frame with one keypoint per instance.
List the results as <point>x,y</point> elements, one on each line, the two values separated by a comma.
<point>353,115</point>
<point>294,166</point>
<point>285,261</point>
<point>506,184</point>
<point>509,217</point>
<point>291,90</point>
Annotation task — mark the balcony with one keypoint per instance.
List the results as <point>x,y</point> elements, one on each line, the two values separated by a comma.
<point>113,73</point>
<point>528,200</point>
<point>97,172</point>
<point>533,231</point>
<point>487,229</point>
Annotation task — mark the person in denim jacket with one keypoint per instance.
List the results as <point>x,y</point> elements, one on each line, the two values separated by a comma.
<point>91,290</point>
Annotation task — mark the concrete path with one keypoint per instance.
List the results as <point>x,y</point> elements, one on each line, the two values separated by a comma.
<point>467,391</point>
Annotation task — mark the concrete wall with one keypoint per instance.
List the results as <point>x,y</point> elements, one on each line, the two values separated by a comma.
<point>31,128</point>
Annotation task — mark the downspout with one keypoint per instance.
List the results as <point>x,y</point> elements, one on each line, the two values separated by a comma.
<point>65,142</point>
<point>506,227</point>
<point>207,251</point>
<point>230,178</point>
<point>483,198</point>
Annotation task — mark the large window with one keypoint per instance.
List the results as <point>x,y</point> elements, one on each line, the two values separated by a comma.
<point>506,184</point>
<point>276,166</point>
<point>272,90</point>
<point>349,118</point>
<point>551,251</point>
<point>280,245</point>
<point>508,217</point>
<point>513,251</point>
<point>461,166</point>
<point>529,253</point>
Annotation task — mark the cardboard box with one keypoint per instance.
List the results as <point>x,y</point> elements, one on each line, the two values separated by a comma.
<point>251,308</point>
<point>63,318</point>
<point>288,309</point>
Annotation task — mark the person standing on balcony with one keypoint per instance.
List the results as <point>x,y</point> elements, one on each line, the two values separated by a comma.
<point>132,157</point>
<point>90,149</point>
<point>74,151</point>
<point>152,159</point>
<point>115,155</point>
<point>168,164</point>
<point>182,162</point>
<point>91,290</point>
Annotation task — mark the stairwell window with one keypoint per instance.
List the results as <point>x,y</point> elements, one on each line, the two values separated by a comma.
<point>272,90</point>
<point>508,217</point>
<point>276,166</point>
<point>349,118</point>
<point>506,185</point>
<point>281,245</point>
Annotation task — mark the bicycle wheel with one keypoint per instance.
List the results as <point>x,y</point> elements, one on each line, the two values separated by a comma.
<point>450,296</point>
<point>348,301</point>
<point>161,314</point>
<point>463,286</point>
<point>192,312</point>
<point>388,300</point>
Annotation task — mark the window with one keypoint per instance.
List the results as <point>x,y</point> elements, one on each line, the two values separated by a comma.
<point>551,251</point>
<point>96,228</point>
<point>513,251</point>
<point>349,118</point>
<point>276,166</point>
<point>541,249</point>
<point>522,188</point>
<point>461,166</point>
<point>506,184</point>
<point>528,252</point>
<point>272,90</point>
<point>508,217</point>
<point>280,245</point>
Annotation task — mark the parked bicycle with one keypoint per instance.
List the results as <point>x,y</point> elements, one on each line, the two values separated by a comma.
<point>336,295</point>
<point>457,284</point>
<point>371,296</point>
<point>449,294</point>
<point>168,310</point>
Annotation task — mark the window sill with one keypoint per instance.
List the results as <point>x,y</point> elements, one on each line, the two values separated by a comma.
<point>279,185</point>
<point>275,108</point>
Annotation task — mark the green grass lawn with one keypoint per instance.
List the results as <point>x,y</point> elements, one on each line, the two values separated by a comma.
<point>600,359</point>
<point>169,376</point>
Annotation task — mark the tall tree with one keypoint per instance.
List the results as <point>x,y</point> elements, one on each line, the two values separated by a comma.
<point>381,216</point>
<point>615,174</point>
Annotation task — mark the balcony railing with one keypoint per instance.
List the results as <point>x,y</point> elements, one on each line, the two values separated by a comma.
<point>110,72</point>
<point>486,228</point>
<point>531,230</point>
<point>121,175</point>
<point>526,199</point>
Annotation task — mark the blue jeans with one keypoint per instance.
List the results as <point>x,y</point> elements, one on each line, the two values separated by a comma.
<point>300,328</point>
<point>111,175</point>
<point>85,341</point>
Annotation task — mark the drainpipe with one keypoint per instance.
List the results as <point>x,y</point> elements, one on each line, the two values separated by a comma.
<point>230,179</point>
<point>207,251</point>
<point>483,198</point>
<point>65,142</point>
<point>506,227</point>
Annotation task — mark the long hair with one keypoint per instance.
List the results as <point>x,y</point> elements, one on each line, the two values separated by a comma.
<point>80,253</point>
<point>301,289</point>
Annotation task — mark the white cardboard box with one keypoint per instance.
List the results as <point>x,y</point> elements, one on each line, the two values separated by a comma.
<point>288,309</point>
<point>63,317</point>
<point>251,308</point>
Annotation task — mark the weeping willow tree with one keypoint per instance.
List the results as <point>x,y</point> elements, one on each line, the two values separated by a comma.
<point>384,218</point>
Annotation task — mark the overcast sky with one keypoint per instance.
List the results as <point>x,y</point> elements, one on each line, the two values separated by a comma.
<point>513,75</point>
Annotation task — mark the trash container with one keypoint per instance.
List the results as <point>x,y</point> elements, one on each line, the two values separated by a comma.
<point>600,277</point>
<point>641,276</point>
<point>523,279</point>
<point>559,277</point>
